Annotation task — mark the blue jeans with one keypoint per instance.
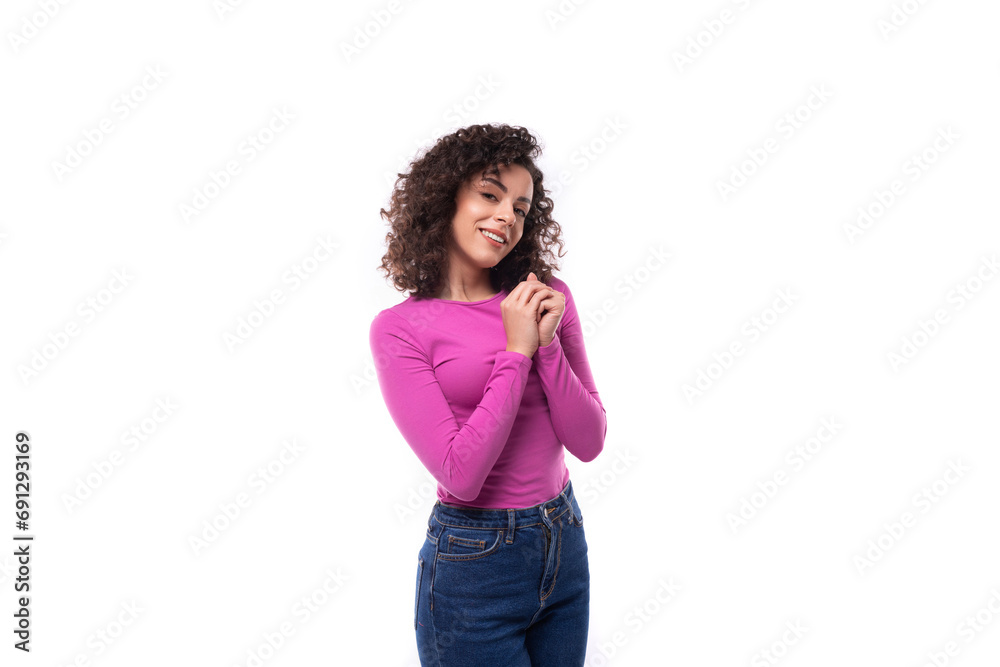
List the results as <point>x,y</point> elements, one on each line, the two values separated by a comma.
<point>504,586</point>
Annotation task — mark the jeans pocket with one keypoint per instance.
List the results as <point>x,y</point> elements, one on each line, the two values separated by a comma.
<point>459,543</point>
<point>416,600</point>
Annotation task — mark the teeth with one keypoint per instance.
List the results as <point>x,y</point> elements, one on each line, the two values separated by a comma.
<point>492,236</point>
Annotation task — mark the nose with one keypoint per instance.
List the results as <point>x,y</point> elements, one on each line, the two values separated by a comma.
<point>506,215</point>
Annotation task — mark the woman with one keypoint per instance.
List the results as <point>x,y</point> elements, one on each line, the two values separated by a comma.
<point>484,372</point>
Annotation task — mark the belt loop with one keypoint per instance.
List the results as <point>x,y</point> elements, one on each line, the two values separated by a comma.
<point>566,500</point>
<point>510,526</point>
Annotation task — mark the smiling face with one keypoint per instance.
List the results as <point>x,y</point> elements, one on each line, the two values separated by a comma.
<point>498,201</point>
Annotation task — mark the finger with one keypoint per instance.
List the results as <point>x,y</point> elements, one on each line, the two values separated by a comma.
<point>532,277</point>
<point>521,293</point>
<point>548,303</point>
<point>531,290</point>
<point>525,290</point>
<point>537,298</point>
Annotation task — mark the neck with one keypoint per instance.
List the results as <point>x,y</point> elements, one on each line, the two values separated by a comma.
<point>467,286</point>
<point>465,293</point>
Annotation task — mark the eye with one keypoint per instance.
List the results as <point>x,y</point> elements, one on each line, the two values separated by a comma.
<point>520,211</point>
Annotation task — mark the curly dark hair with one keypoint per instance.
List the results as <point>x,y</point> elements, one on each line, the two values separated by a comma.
<point>423,205</point>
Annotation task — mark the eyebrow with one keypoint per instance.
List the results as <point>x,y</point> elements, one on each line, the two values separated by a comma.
<point>504,189</point>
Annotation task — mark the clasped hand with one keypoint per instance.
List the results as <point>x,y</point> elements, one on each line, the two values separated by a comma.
<point>550,311</point>
<point>531,313</point>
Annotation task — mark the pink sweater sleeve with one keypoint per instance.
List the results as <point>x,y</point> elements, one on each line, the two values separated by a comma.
<point>460,458</point>
<point>578,416</point>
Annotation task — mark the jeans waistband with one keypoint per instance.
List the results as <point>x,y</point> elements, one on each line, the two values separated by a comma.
<point>477,517</point>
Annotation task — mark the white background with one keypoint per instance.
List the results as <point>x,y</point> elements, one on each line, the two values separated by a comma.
<point>636,144</point>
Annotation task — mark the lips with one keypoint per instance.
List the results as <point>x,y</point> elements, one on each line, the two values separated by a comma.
<point>495,231</point>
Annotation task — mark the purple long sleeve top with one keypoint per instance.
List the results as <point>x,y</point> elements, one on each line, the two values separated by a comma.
<point>488,424</point>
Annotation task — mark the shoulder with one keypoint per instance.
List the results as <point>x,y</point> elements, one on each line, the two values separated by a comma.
<point>394,332</point>
<point>560,285</point>
<point>390,321</point>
